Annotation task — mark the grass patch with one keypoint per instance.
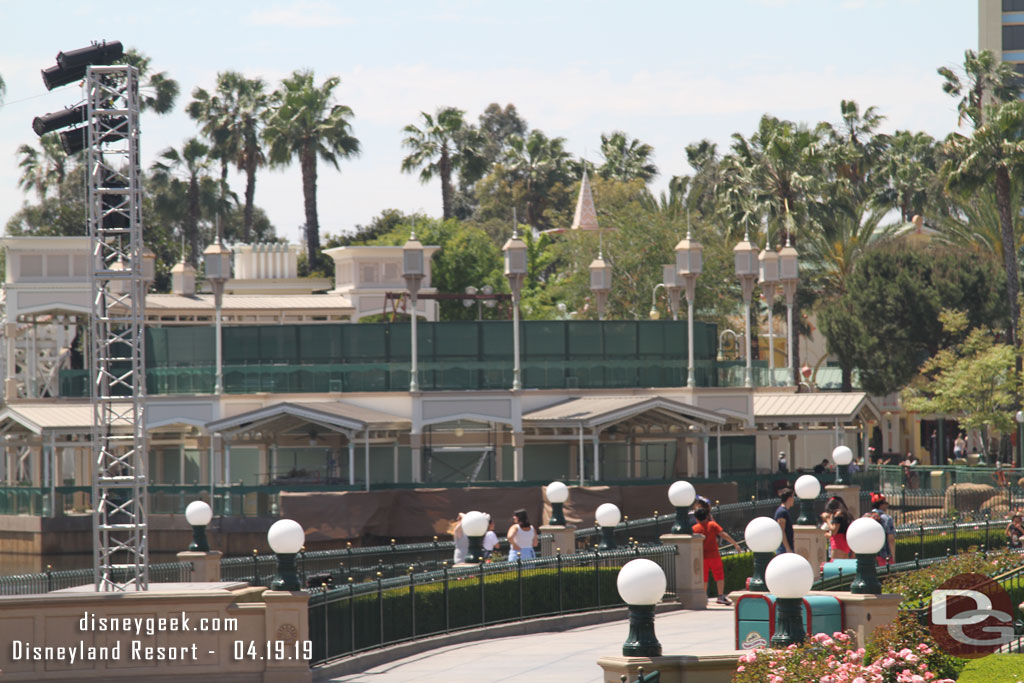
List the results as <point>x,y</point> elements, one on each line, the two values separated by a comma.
<point>1001,668</point>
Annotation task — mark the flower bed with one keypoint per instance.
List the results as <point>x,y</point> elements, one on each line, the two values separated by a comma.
<point>916,586</point>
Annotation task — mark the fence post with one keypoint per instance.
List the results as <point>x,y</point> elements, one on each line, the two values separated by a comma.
<point>920,538</point>
<point>49,578</point>
<point>352,614</point>
<point>558,560</point>
<point>657,533</point>
<point>903,500</point>
<point>412,600</point>
<point>483,611</point>
<point>917,561</point>
<point>327,640</point>
<point>597,580</point>
<point>986,535</point>
<point>519,582</point>
<point>380,606</point>
<point>255,567</point>
<point>956,549</point>
<point>447,616</point>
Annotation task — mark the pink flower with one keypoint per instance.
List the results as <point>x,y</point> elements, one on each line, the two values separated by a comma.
<point>905,652</point>
<point>888,662</point>
<point>740,668</point>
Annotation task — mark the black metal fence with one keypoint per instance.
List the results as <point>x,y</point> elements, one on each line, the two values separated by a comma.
<point>53,580</point>
<point>363,616</point>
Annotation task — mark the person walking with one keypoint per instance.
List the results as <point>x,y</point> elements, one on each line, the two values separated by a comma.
<point>712,558</point>
<point>785,521</point>
<point>461,540</point>
<point>839,520</point>
<point>960,446</point>
<point>522,537</point>
<point>880,507</point>
<point>490,539</point>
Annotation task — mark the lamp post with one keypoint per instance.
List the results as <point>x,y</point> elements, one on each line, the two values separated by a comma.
<point>641,585</point>
<point>768,274</point>
<point>148,267</point>
<point>557,494</point>
<point>788,275</point>
<point>607,516</point>
<point>600,282</point>
<point>673,285</point>
<point>866,537</point>
<point>764,536</point>
<point>654,314</point>
<point>682,494</point>
<point>286,538</point>
<point>412,273</point>
<point>1020,437</point>
<point>689,264</point>
<point>788,576</point>
<point>480,303</point>
<point>807,488</point>
<point>841,456</point>
<point>745,254</point>
<point>217,259</point>
<point>198,514</point>
<point>474,525</point>
<point>515,270</point>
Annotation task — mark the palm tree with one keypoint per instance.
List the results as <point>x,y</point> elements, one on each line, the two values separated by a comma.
<point>303,123</point>
<point>990,158</point>
<point>984,81</point>
<point>538,162</point>
<point>43,168</point>
<point>908,173</point>
<point>440,146</point>
<point>231,119</point>
<point>157,91</point>
<point>185,169</point>
<point>626,159</point>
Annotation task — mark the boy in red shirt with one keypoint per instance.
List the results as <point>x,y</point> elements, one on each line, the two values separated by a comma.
<point>712,559</point>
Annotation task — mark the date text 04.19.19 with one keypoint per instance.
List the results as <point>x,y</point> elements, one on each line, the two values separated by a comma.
<point>273,650</point>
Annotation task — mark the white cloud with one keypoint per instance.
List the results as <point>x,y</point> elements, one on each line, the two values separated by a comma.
<point>299,14</point>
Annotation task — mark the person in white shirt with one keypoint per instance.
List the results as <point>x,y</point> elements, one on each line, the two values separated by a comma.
<point>523,538</point>
<point>490,538</point>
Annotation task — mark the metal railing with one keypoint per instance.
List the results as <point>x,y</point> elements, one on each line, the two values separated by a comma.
<point>53,580</point>
<point>363,616</point>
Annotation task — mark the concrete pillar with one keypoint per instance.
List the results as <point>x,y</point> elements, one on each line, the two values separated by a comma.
<point>10,383</point>
<point>812,543</point>
<point>564,540</point>
<point>205,566</point>
<point>690,589</point>
<point>595,439</point>
<point>850,495</point>
<point>287,619</point>
<point>517,458</point>
<point>415,452</point>
<point>865,613</point>
<point>792,454</point>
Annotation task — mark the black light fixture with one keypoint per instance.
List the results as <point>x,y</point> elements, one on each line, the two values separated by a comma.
<point>75,140</point>
<point>71,65</point>
<point>59,119</point>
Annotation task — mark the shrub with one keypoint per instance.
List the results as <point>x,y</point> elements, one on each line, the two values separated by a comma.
<point>907,631</point>
<point>917,586</point>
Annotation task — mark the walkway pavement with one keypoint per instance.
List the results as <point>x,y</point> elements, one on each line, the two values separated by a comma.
<point>563,657</point>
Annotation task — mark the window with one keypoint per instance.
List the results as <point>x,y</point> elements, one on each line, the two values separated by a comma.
<point>31,265</point>
<point>57,265</point>
<point>367,273</point>
<point>1013,6</point>
<point>1013,37</point>
<point>391,273</point>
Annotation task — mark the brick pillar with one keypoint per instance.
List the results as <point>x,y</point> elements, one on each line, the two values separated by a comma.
<point>287,620</point>
<point>205,566</point>
<point>811,542</point>
<point>564,540</point>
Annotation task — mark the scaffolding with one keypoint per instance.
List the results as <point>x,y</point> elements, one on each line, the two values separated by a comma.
<point>120,538</point>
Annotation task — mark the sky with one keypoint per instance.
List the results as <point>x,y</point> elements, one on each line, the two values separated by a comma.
<point>669,73</point>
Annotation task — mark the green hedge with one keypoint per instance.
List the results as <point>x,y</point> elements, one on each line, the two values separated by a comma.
<point>935,544</point>
<point>738,569</point>
<point>505,598</point>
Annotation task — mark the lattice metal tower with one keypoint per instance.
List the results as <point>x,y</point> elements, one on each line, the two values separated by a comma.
<point>119,488</point>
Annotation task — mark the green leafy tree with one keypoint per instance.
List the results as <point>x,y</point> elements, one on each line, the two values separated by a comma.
<point>497,124</point>
<point>231,119</point>
<point>302,122</point>
<point>984,80</point>
<point>986,162</point>
<point>441,146</point>
<point>626,159</point>
<point>886,323</point>
<point>43,168</point>
<point>972,379</point>
<point>157,90</point>
<point>184,172</point>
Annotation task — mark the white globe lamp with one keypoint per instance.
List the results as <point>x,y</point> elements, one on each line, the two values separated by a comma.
<point>763,536</point>
<point>866,537</point>
<point>286,538</point>
<point>557,493</point>
<point>682,494</point>
<point>474,525</point>
<point>198,514</point>
<point>842,456</point>
<point>807,488</point>
<point>789,576</point>
<point>607,516</point>
<point>641,584</point>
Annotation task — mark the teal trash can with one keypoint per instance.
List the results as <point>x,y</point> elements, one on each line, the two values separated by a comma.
<point>830,570</point>
<point>755,618</point>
